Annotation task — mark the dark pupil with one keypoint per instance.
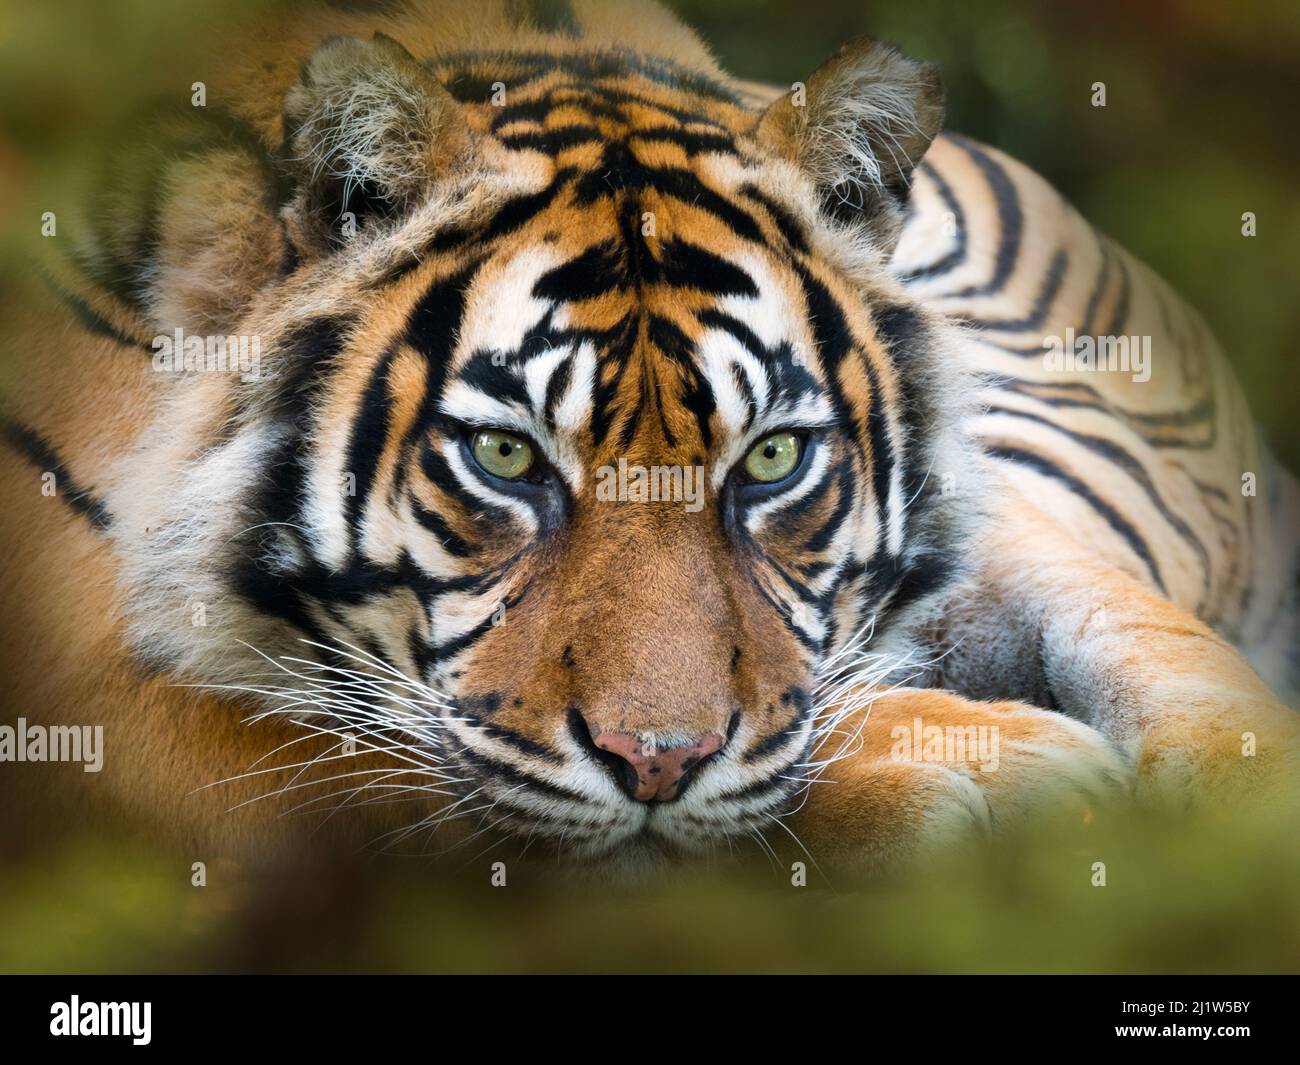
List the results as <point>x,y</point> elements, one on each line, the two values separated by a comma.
<point>504,449</point>
<point>769,452</point>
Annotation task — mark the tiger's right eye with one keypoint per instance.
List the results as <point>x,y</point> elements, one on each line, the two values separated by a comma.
<point>502,454</point>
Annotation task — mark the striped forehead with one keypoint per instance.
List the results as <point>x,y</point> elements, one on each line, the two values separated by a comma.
<point>517,365</point>
<point>531,361</point>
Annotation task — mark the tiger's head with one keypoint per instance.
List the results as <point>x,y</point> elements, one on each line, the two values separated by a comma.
<point>592,436</point>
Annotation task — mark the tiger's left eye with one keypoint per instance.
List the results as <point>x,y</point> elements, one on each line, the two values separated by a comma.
<point>774,458</point>
<point>502,454</point>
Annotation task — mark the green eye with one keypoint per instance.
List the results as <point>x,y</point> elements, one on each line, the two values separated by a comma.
<point>501,454</point>
<point>774,458</point>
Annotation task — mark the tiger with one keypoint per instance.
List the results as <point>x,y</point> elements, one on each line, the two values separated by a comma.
<point>493,423</point>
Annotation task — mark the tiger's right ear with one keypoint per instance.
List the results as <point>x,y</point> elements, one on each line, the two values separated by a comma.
<point>368,130</point>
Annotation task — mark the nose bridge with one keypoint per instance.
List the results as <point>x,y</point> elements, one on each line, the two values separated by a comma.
<point>654,637</point>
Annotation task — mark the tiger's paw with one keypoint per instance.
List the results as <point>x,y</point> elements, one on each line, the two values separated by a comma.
<point>1213,750</point>
<point>935,772</point>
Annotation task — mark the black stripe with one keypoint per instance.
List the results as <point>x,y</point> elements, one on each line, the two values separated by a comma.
<point>922,577</point>
<point>438,471</point>
<point>775,781</point>
<point>595,272</point>
<point>1011,220</point>
<point>556,387</point>
<point>1098,289</point>
<point>834,341</point>
<point>514,215</point>
<point>688,265</point>
<point>441,531</point>
<point>784,610</point>
<point>495,768</point>
<point>620,171</point>
<point>1113,518</point>
<point>457,644</point>
<point>1115,454</point>
<point>903,330</point>
<point>690,142</point>
<point>431,329</point>
<point>91,320</point>
<point>489,372</point>
<point>789,227</point>
<point>553,141</point>
<point>41,454</point>
<point>1037,315</point>
<point>311,350</point>
<point>780,738</point>
<point>821,539</point>
<point>741,380</point>
<point>697,393</point>
<point>511,738</point>
<point>1077,394</point>
<point>369,434</point>
<point>1120,315</point>
<point>597,101</point>
<point>960,249</point>
<point>792,379</point>
<point>595,65</point>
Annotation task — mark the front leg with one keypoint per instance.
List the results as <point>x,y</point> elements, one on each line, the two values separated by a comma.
<point>916,771</point>
<point>1182,703</point>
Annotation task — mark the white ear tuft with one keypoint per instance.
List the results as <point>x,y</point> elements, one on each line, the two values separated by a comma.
<point>368,130</point>
<point>858,128</point>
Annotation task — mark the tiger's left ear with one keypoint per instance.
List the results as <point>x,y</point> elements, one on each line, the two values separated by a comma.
<point>858,127</point>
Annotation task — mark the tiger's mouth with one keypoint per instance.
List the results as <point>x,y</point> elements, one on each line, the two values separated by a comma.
<point>560,791</point>
<point>587,806</point>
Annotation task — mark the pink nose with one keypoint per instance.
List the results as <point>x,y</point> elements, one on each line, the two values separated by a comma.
<point>651,772</point>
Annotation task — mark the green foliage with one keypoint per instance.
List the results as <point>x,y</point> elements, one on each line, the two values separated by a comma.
<point>1212,895</point>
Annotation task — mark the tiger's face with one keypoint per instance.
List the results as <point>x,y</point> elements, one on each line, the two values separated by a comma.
<point>604,433</point>
<point>649,496</point>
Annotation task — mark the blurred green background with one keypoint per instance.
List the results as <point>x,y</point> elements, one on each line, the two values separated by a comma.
<point>1199,127</point>
<point>1209,895</point>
